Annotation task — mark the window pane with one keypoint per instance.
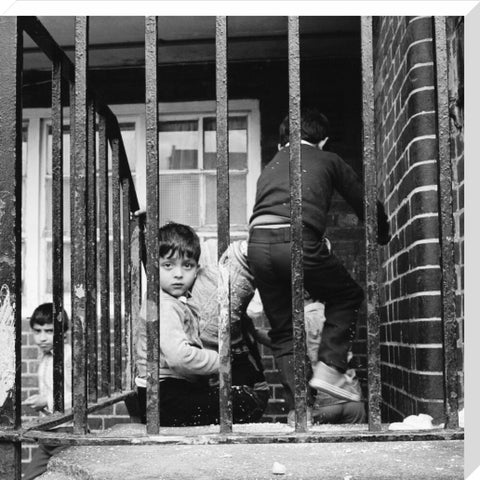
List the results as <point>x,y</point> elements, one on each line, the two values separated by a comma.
<point>179,199</point>
<point>238,200</point>
<point>178,145</point>
<point>237,143</point>
<point>129,141</point>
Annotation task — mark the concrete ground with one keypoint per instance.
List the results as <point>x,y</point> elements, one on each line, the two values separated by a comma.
<point>437,459</point>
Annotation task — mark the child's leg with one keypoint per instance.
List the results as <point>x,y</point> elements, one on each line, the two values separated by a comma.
<point>184,403</point>
<point>269,259</point>
<point>327,279</point>
<point>40,458</point>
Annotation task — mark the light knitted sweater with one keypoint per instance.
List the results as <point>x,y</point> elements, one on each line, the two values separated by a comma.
<point>182,354</point>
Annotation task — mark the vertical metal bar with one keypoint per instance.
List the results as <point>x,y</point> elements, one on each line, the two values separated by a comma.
<point>446,227</point>
<point>117,266</point>
<point>91,252</point>
<point>78,228</point>
<point>137,240</point>
<point>11,39</point>
<point>104,257</point>
<point>370,182</point>
<point>297,225</point>
<point>127,288</point>
<point>57,237</point>
<point>223,225</point>
<point>153,278</point>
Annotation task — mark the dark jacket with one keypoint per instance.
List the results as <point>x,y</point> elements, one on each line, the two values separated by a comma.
<point>322,172</point>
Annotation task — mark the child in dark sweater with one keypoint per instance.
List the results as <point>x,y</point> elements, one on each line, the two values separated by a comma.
<point>325,278</point>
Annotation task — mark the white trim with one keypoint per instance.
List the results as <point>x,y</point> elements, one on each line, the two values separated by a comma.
<point>31,218</point>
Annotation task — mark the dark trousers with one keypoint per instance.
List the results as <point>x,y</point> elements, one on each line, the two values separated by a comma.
<point>347,412</point>
<point>41,456</point>
<point>326,280</point>
<point>184,403</point>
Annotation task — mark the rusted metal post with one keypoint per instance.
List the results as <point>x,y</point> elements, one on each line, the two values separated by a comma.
<point>136,243</point>
<point>223,226</point>
<point>117,265</point>
<point>78,228</point>
<point>298,319</point>
<point>11,39</point>
<point>370,182</point>
<point>91,251</point>
<point>127,286</point>
<point>57,237</point>
<point>447,259</point>
<point>153,278</point>
<point>104,257</point>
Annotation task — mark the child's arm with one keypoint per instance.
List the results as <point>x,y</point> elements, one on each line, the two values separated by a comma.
<point>179,353</point>
<point>37,402</point>
<point>349,186</point>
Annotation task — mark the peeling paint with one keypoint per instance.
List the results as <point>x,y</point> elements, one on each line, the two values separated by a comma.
<point>79,291</point>
<point>7,345</point>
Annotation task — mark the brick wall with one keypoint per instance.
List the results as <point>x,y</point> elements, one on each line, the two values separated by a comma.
<point>411,332</point>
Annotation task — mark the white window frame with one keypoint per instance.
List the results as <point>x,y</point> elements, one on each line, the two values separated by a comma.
<point>35,201</point>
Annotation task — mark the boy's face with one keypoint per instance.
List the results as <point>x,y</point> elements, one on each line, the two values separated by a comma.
<point>177,274</point>
<point>43,336</point>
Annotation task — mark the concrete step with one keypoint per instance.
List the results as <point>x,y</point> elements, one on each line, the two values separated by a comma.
<point>437,459</point>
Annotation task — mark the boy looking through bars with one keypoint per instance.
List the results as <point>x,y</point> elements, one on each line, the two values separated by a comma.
<point>187,397</point>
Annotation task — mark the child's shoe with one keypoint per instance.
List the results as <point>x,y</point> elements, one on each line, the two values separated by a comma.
<point>340,385</point>
<point>291,418</point>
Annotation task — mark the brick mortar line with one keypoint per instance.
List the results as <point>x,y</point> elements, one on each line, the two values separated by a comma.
<point>413,270</point>
<point>419,346</point>
<point>420,189</point>
<point>414,320</point>
<point>407,123</point>
<point>424,241</point>
<point>416,372</point>
<point>389,48</point>
<point>414,140</point>
<point>416,269</point>
<point>399,70</point>
<point>415,218</point>
<point>398,74</point>
<point>405,78</point>
<point>430,293</point>
<point>407,172</point>
<point>413,397</point>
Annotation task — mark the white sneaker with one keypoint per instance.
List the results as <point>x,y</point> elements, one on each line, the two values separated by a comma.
<point>340,385</point>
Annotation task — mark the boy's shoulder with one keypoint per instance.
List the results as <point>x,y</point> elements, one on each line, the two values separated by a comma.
<point>176,306</point>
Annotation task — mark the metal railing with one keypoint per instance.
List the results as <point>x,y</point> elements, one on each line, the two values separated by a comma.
<point>90,255</point>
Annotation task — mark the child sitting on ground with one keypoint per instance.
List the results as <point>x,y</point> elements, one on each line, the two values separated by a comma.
<point>41,323</point>
<point>186,395</point>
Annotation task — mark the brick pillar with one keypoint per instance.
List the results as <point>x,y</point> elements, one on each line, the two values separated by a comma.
<point>407,153</point>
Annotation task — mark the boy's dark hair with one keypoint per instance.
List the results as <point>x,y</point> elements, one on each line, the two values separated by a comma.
<point>313,126</point>
<point>175,238</point>
<point>43,314</point>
